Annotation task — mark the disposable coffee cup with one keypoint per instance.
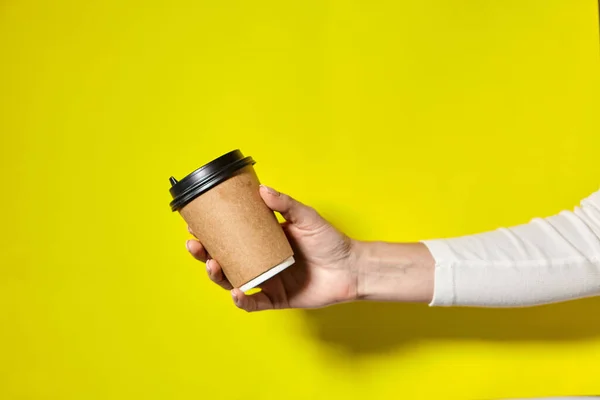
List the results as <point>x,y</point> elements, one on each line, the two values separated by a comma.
<point>221,203</point>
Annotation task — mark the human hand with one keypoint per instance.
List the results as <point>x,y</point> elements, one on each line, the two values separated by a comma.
<point>325,271</point>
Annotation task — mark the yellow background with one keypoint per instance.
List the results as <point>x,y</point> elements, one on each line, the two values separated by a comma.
<point>398,120</point>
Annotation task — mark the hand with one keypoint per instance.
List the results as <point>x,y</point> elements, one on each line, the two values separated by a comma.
<point>325,271</point>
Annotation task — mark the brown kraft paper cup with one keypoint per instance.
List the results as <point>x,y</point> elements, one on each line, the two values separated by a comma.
<point>222,205</point>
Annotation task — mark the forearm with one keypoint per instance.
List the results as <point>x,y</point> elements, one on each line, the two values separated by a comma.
<point>545,261</point>
<point>402,272</point>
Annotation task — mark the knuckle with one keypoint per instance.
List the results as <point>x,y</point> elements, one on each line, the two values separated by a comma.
<point>288,200</point>
<point>285,196</point>
<point>312,213</point>
<point>313,219</point>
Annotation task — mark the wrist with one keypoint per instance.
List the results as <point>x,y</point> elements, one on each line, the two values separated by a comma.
<point>402,272</point>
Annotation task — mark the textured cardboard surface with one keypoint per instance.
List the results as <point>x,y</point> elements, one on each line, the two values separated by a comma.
<point>237,228</point>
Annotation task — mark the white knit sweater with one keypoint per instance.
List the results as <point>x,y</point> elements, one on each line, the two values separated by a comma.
<point>545,261</point>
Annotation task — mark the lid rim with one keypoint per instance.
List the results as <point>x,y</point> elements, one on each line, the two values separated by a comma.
<point>206,177</point>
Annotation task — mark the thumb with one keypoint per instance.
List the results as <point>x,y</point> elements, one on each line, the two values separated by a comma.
<point>293,211</point>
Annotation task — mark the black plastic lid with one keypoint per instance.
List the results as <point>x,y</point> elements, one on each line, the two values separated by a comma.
<point>206,177</point>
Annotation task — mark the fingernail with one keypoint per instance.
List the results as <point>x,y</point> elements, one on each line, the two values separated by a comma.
<point>234,296</point>
<point>187,245</point>
<point>190,230</point>
<point>271,190</point>
<point>208,269</point>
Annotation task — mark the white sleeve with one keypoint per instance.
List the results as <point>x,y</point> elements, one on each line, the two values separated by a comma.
<point>545,261</point>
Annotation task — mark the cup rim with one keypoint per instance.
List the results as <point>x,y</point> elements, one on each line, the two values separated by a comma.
<point>206,177</point>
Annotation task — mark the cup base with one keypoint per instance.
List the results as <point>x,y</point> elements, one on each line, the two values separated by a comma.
<point>266,275</point>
